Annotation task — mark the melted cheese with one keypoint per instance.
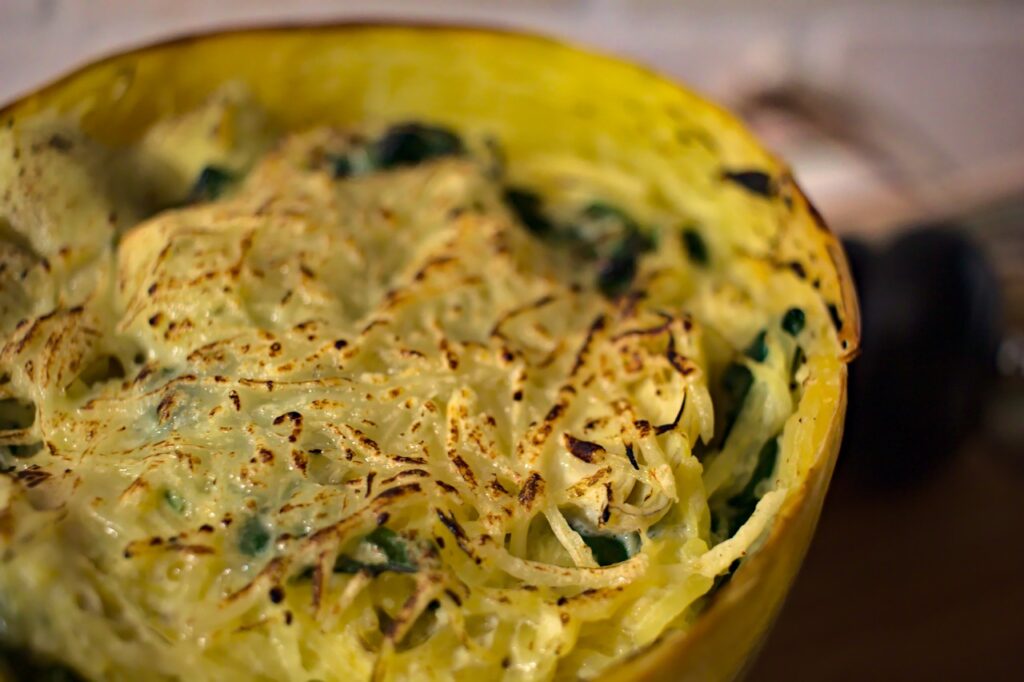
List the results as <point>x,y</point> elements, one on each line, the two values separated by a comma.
<point>209,414</point>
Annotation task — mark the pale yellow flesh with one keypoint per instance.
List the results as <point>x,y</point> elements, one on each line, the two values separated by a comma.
<point>324,242</point>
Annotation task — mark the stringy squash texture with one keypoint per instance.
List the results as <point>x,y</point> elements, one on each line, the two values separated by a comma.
<point>378,402</point>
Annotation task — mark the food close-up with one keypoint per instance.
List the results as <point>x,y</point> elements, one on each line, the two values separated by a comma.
<point>316,365</point>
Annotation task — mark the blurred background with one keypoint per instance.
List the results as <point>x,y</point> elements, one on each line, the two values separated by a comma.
<point>904,121</point>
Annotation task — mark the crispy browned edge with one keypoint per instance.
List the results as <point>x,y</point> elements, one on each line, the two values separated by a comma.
<point>662,651</point>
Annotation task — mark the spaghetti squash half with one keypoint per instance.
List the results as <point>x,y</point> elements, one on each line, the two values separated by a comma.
<point>385,353</point>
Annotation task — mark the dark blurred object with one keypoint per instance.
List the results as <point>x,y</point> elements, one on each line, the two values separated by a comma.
<point>931,308</point>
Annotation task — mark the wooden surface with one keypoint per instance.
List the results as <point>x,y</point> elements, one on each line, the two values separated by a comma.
<point>920,584</point>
